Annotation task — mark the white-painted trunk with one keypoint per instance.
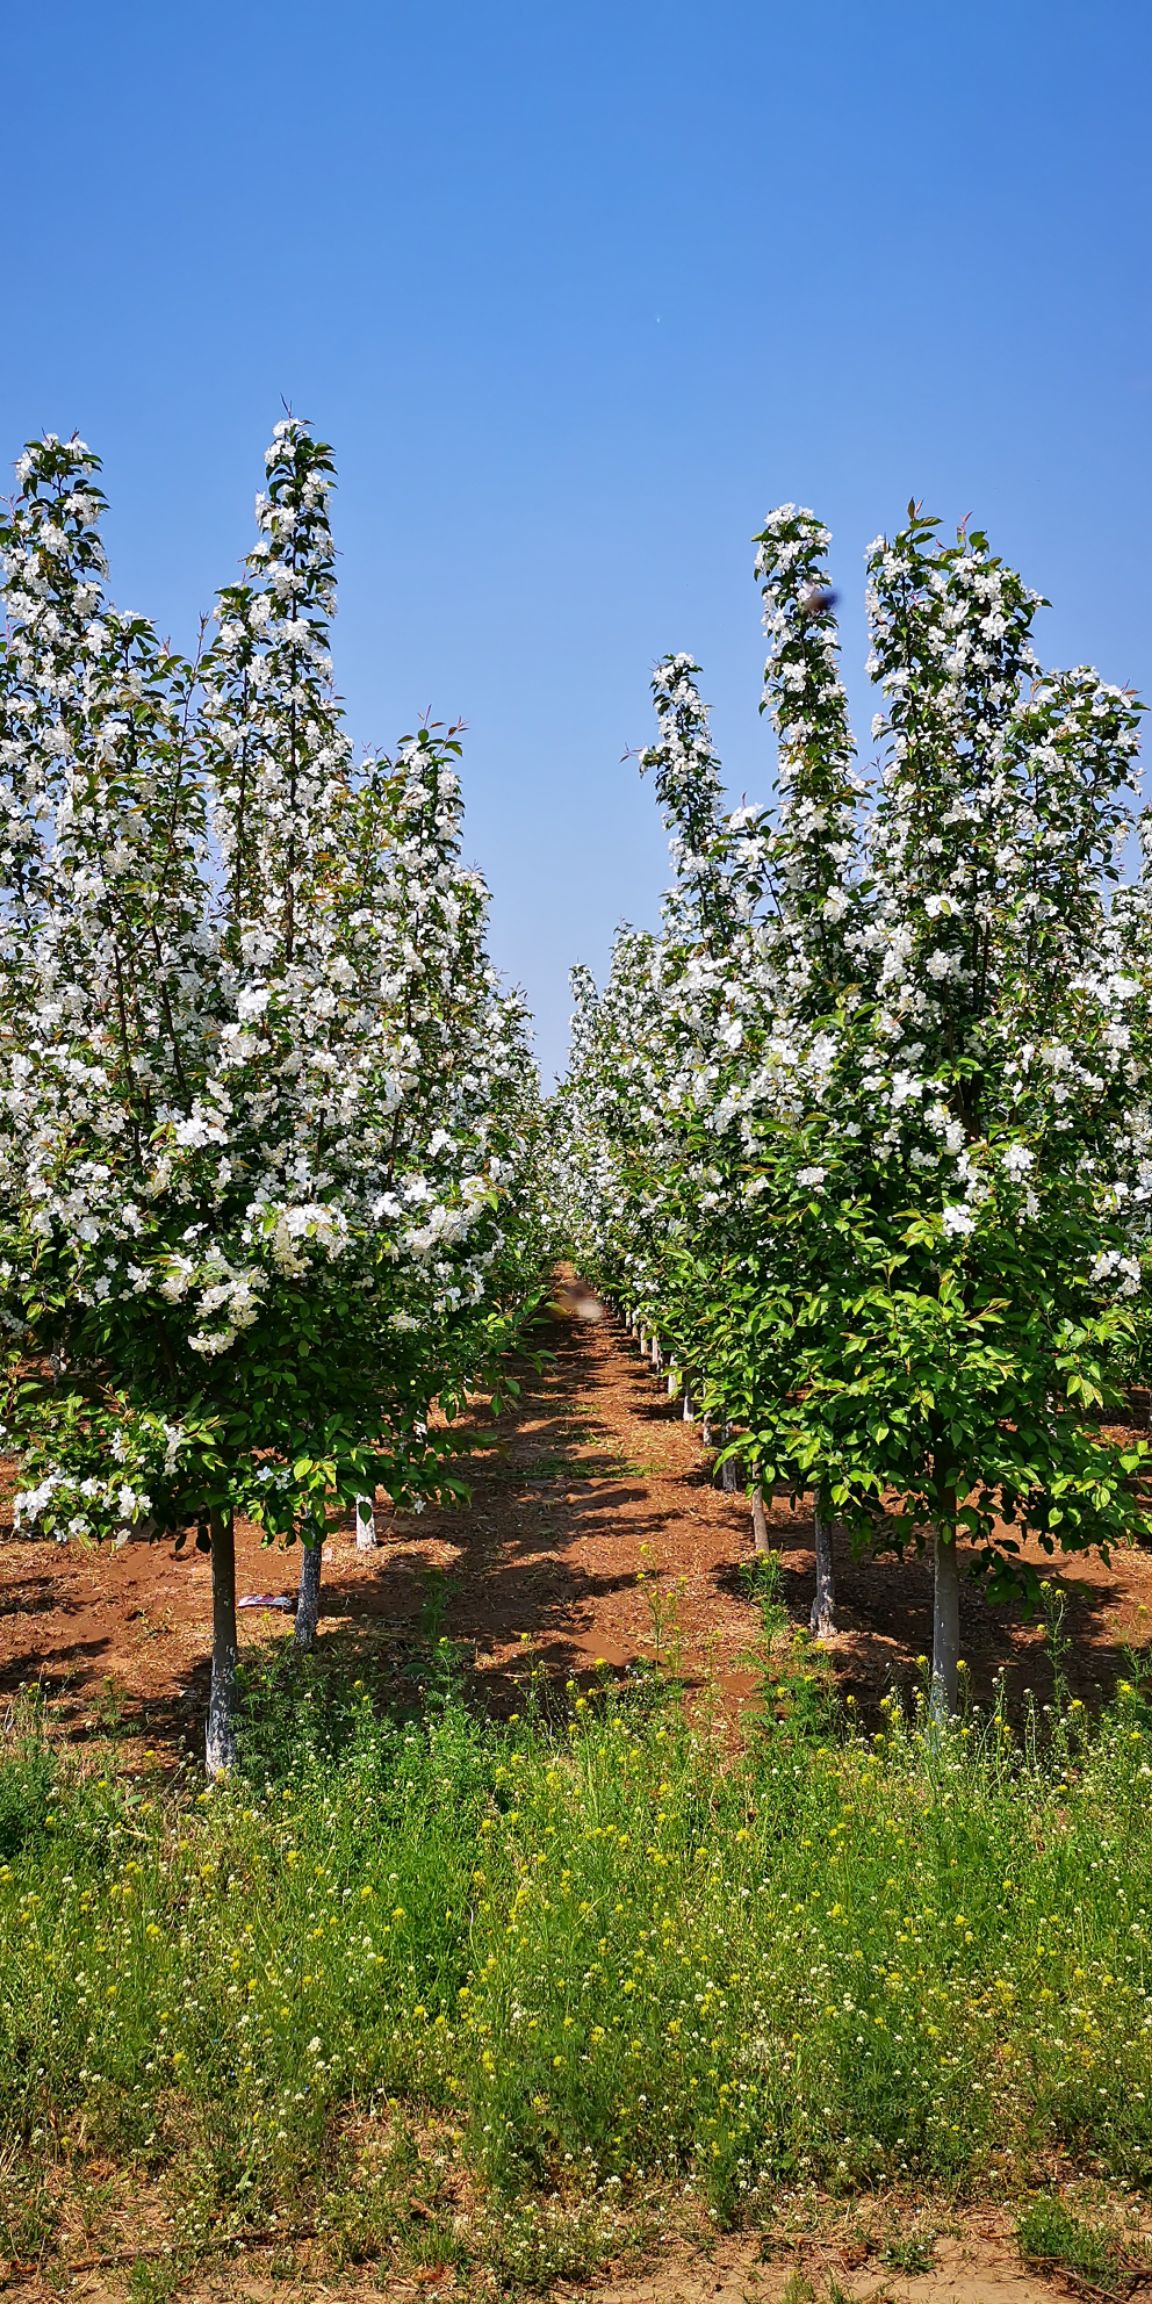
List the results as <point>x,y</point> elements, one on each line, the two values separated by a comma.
<point>706,1433</point>
<point>365,1525</point>
<point>657,1355</point>
<point>673,1382</point>
<point>760,1538</point>
<point>945,1693</point>
<point>689,1417</point>
<point>823,1618</point>
<point>220,1735</point>
<point>308,1603</point>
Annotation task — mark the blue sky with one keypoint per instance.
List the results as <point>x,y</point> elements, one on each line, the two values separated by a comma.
<point>578,292</point>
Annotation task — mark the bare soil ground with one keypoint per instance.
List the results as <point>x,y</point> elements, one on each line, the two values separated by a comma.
<point>594,1538</point>
<point>971,2258</point>
<point>976,2262</point>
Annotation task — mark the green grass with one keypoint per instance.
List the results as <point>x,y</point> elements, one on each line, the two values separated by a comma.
<point>441,1986</point>
<point>1050,2234</point>
<point>914,2254</point>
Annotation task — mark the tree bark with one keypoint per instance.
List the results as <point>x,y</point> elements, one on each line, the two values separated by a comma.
<point>689,1416</point>
<point>729,1471</point>
<point>657,1355</point>
<point>760,1537</point>
<point>944,1700</point>
<point>308,1604</point>
<point>220,1735</point>
<point>673,1382</point>
<point>822,1621</point>
<point>365,1525</point>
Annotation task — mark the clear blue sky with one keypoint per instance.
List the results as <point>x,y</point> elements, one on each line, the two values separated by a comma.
<point>578,291</point>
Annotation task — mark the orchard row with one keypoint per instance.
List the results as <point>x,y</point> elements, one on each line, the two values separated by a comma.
<point>860,1141</point>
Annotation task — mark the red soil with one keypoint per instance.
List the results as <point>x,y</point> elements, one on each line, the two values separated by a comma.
<point>594,1532</point>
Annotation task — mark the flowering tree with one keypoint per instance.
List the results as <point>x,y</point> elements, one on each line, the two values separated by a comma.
<point>635,1203</point>
<point>919,1106</point>
<point>266,1159</point>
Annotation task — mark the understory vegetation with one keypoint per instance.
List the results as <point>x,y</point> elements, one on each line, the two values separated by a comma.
<point>440,1985</point>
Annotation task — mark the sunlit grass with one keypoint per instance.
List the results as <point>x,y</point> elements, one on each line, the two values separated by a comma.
<point>590,1958</point>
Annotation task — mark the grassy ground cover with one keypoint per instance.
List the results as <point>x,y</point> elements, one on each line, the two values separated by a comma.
<point>445,1984</point>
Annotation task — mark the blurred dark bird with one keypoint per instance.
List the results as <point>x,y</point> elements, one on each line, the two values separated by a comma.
<point>818,599</point>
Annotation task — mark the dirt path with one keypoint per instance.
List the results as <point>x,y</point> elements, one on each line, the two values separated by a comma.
<point>594,1533</point>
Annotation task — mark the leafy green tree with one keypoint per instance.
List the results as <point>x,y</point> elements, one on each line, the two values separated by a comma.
<point>265,1164</point>
<point>902,1156</point>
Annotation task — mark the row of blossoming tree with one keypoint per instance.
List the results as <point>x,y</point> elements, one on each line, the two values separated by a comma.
<point>860,1141</point>
<point>267,1119</point>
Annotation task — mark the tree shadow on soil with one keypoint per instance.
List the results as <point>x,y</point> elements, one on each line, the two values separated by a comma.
<point>541,1573</point>
<point>884,1627</point>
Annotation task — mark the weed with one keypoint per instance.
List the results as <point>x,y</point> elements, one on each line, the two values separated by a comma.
<point>28,2212</point>
<point>147,1627</point>
<point>797,1684</point>
<point>560,1964</point>
<point>797,2289</point>
<point>914,2252</point>
<point>153,2280</point>
<point>27,1784</point>
<point>1049,2232</point>
<point>760,1577</point>
<point>1054,1603</point>
<point>109,1705</point>
<point>663,1600</point>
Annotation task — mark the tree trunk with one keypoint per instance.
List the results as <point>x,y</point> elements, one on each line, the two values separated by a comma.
<point>673,1382</point>
<point>822,1621</point>
<point>729,1471</point>
<point>308,1604</point>
<point>760,1538</point>
<point>689,1417</point>
<point>220,1736</point>
<point>945,1627</point>
<point>657,1355</point>
<point>365,1525</point>
<point>706,1434</point>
